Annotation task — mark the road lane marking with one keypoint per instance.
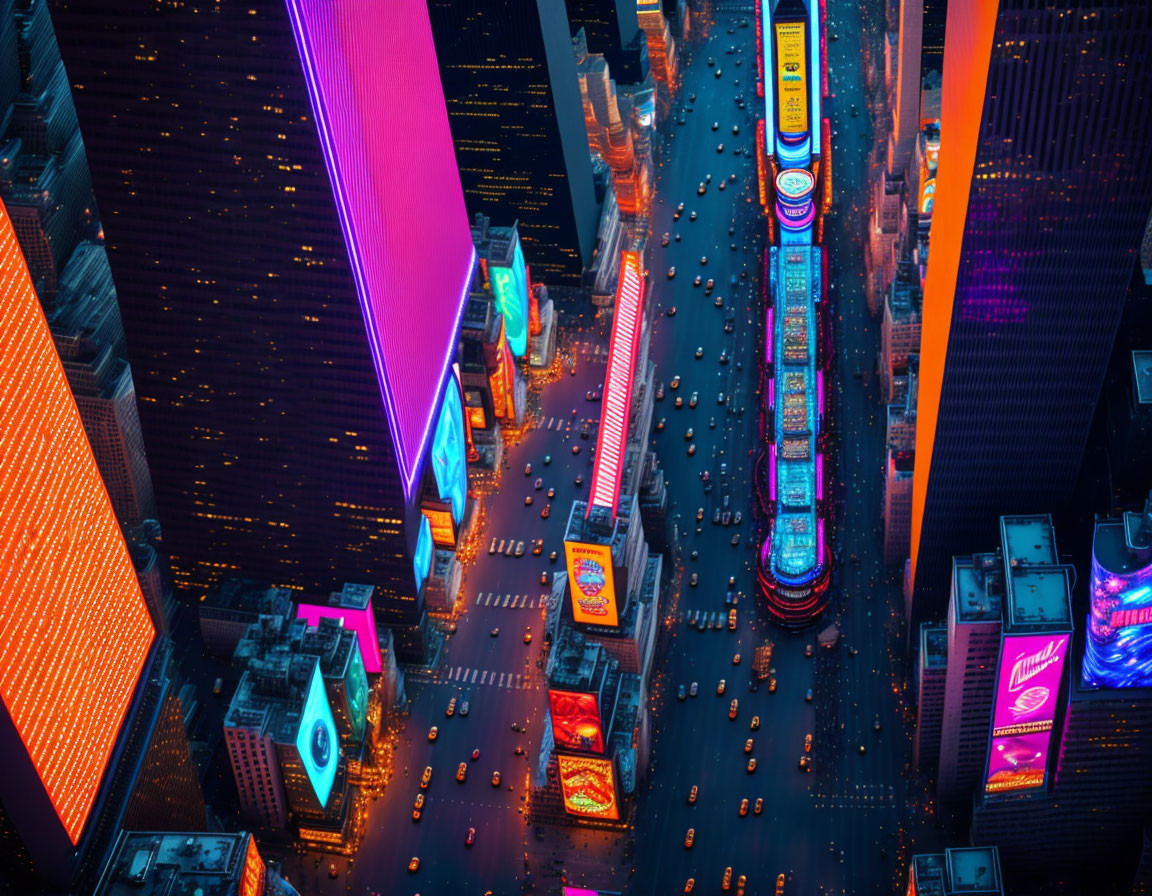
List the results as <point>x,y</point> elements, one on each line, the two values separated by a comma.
<point>501,680</point>
<point>475,672</point>
<point>483,676</point>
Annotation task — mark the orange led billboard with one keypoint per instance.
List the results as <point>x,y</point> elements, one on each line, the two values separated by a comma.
<point>590,579</point>
<point>76,629</point>
<point>252,877</point>
<point>443,529</point>
<point>589,787</point>
<point>576,721</point>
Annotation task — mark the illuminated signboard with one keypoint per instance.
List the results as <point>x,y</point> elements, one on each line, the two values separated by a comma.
<point>510,286</point>
<point>590,578</point>
<point>76,630</point>
<point>791,77</point>
<point>588,786</point>
<point>356,693</point>
<point>252,876</point>
<point>362,622</point>
<point>448,454</point>
<point>392,166</point>
<point>1118,649</point>
<point>422,557</point>
<point>316,740</point>
<point>576,721</point>
<point>1027,685</point>
<point>927,196</point>
<point>440,522</point>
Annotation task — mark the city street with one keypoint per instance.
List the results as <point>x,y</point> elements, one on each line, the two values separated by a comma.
<point>835,830</point>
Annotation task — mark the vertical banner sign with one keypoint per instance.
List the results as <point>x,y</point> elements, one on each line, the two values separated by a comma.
<point>1027,685</point>
<point>590,578</point>
<point>791,77</point>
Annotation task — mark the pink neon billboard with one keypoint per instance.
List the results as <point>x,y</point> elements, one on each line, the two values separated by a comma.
<point>618,385</point>
<point>375,89</point>
<point>1027,686</point>
<point>362,622</point>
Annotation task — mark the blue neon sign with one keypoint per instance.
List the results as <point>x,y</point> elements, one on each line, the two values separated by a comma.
<point>316,740</point>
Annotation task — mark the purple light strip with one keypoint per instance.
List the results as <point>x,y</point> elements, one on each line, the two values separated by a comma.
<point>819,398</point>
<point>409,464</point>
<point>769,336</point>
<point>820,476</point>
<point>772,394</point>
<point>772,471</point>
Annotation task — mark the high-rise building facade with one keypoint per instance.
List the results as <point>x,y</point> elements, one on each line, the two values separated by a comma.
<point>279,263</point>
<point>514,108</point>
<point>1044,184</point>
<point>78,637</point>
<point>931,674</point>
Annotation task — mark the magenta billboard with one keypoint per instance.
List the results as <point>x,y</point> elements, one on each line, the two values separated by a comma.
<point>375,89</point>
<point>1027,687</point>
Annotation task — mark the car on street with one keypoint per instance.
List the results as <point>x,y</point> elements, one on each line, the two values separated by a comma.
<point>692,794</point>
<point>808,696</point>
<point>426,777</point>
<point>876,723</point>
<point>691,450</point>
<point>690,838</point>
<point>495,779</point>
<point>715,125</point>
<point>682,693</point>
<point>751,767</point>
<point>688,434</point>
<point>720,687</point>
<point>414,864</point>
<point>689,885</point>
<point>733,708</point>
<point>808,650</point>
<point>552,557</point>
<point>692,216</point>
<point>471,838</point>
<point>805,763</point>
<point>719,147</point>
<point>545,512</point>
<point>759,806</point>
<point>660,424</point>
<point>726,882</point>
<point>780,884</point>
<point>748,745</point>
<point>699,514</point>
<point>475,754</point>
<point>711,284</point>
<point>664,240</point>
<point>538,546</point>
<point>735,659</point>
<point>732,620</point>
<point>736,129</point>
<point>527,500</point>
<point>693,580</point>
<point>771,685</point>
<point>495,633</point>
<point>694,689</point>
<point>702,189</point>
<point>699,352</point>
<point>698,280</point>
<point>451,708</point>
<point>674,383</point>
<point>743,807</point>
<point>433,733</point>
<point>461,772</point>
<point>519,549</point>
<point>755,726</point>
<point>528,635</point>
<point>694,400</point>
<point>519,751</point>
<point>671,272</point>
<point>544,577</point>
<point>671,312</point>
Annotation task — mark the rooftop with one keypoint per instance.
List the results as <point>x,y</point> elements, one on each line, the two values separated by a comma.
<point>248,596</point>
<point>934,646</point>
<point>574,662</point>
<point>977,583</point>
<point>928,873</point>
<point>974,870</point>
<point>1142,376</point>
<point>1117,544</point>
<point>167,864</point>
<point>1038,587</point>
<point>599,527</point>
<point>1028,539</point>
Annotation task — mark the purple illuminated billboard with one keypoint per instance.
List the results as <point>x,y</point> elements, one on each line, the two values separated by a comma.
<point>1118,649</point>
<point>375,89</point>
<point>1027,687</point>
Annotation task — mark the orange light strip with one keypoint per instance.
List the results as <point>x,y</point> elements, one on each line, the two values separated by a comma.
<point>967,51</point>
<point>76,629</point>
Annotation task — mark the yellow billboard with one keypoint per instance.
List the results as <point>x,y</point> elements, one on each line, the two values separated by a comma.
<point>590,579</point>
<point>792,77</point>
<point>588,786</point>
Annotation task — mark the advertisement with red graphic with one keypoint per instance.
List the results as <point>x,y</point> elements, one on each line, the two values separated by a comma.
<point>589,787</point>
<point>1028,684</point>
<point>576,721</point>
<point>590,578</point>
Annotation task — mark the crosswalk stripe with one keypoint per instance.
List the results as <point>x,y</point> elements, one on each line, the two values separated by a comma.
<point>483,676</point>
<point>475,672</point>
<point>501,680</point>
<point>507,597</point>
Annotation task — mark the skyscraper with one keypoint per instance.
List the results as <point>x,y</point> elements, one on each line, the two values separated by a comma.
<point>517,121</point>
<point>1044,183</point>
<point>78,639</point>
<point>280,265</point>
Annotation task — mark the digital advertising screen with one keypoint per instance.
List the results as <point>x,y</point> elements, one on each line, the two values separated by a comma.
<point>589,787</point>
<point>422,557</point>
<point>792,77</point>
<point>576,721</point>
<point>316,741</point>
<point>356,693</point>
<point>362,622</point>
<point>590,578</point>
<point>252,876</point>
<point>448,452</point>
<point>510,287</point>
<point>442,526</point>
<point>1118,649</point>
<point>1027,686</point>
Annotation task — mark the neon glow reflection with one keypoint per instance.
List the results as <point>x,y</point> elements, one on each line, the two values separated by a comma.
<point>448,453</point>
